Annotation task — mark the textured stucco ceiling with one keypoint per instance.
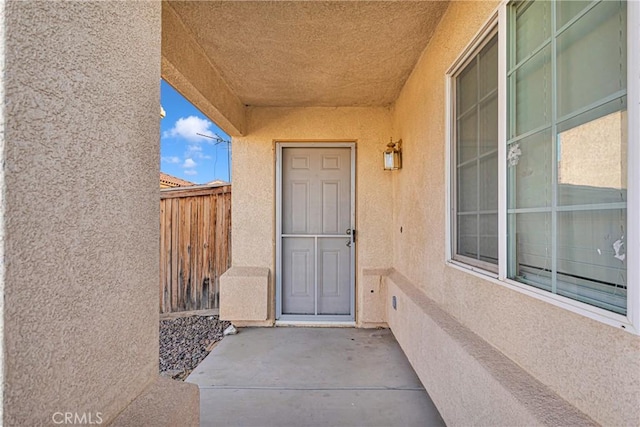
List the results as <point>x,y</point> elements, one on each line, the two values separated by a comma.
<point>312,53</point>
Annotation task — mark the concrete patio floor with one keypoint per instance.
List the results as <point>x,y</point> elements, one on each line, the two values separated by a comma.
<point>311,377</point>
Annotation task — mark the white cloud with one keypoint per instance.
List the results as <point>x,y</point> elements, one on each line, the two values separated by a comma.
<point>189,163</point>
<point>190,172</point>
<point>171,159</point>
<point>189,127</point>
<point>194,151</point>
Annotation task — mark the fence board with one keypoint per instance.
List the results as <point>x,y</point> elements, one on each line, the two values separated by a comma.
<point>195,247</point>
<point>173,260</point>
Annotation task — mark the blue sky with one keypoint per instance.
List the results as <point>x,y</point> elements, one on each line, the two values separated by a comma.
<point>183,152</point>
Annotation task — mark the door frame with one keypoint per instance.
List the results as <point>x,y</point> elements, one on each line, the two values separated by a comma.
<point>291,318</point>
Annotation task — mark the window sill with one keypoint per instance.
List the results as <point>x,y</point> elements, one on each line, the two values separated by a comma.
<point>586,310</point>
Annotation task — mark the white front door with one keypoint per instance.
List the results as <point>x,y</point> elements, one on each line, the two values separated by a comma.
<point>315,233</point>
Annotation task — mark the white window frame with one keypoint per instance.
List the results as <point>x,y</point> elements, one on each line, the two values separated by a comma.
<point>469,53</point>
<point>491,32</point>
<point>629,322</point>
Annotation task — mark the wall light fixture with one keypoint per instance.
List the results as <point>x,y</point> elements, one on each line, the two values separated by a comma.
<point>393,155</point>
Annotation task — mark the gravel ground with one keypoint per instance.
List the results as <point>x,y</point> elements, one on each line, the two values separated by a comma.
<point>186,341</point>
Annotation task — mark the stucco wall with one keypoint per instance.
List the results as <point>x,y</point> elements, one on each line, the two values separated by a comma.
<point>593,366</point>
<point>3,120</point>
<point>80,220</point>
<point>254,184</point>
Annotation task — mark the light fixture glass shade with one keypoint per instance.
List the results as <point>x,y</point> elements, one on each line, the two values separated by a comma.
<point>392,156</point>
<point>388,161</point>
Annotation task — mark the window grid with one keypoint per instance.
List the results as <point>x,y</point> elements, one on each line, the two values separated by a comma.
<point>553,210</point>
<point>480,102</point>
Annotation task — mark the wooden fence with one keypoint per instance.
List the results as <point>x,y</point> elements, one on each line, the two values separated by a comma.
<point>195,246</point>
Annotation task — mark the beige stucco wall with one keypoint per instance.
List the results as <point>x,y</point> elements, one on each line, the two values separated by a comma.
<point>254,183</point>
<point>80,208</point>
<point>593,366</point>
<point>3,120</point>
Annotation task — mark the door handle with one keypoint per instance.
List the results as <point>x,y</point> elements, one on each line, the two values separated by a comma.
<point>348,243</point>
<point>352,233</point>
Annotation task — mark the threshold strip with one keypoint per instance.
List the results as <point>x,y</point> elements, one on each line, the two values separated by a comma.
<point>224,387</point>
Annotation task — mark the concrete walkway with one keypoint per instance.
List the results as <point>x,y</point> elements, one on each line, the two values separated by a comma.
<point>311,377</point>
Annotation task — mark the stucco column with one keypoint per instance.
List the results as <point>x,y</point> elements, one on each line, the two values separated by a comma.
<point>79,212</point>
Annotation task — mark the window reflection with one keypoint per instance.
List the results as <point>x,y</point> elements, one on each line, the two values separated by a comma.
<point>592,161</point>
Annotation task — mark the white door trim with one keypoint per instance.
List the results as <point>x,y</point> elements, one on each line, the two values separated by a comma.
<point>278,266</point>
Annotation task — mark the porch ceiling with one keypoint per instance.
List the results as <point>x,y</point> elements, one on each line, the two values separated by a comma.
<point>312,53</point>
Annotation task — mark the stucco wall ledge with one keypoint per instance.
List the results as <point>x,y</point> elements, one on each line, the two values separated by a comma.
<point>245,296</point>
<point>470,381</point>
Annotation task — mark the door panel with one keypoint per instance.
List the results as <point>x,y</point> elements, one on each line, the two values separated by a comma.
<point>330,206</point>
<point>298,265</point>
<point>334,276</point>
<point>299,207</point>
<point>316,213</point>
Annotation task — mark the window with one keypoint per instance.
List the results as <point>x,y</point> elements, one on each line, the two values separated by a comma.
<point>476,157</point>
<point>544,156</point>
<point>566,149</point>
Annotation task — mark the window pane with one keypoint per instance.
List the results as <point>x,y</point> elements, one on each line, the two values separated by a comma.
<point>566,10</point>
<point>533,27</point>
<point>595,46</point>
<point>489,124</point>
<point>468,136</point>
<point>592,264</point>
<point>489,238</point>
<point>468,235</point>
<point>488,60</point>
<point>468,188</point>
<point>488,182</point>
<point>592,162</point>
<point>476,163</point>
<point>533,93</point>
<point>570,177</point>
<point>531,240</point>
<point>530,172</point>
<point>467,88</point>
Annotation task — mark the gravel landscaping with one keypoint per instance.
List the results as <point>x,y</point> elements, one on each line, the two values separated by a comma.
<point>186,341</point>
